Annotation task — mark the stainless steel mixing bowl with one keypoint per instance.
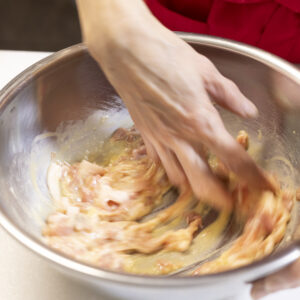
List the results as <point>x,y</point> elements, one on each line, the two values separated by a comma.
<point>69,86</point>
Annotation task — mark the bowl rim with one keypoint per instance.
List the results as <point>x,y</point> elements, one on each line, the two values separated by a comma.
<point>249,272</point>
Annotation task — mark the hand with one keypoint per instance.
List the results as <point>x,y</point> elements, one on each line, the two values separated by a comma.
<point>167,87</point>
<point>286,278</point>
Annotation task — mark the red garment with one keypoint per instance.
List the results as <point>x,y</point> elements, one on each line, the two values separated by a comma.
<point>273,25</point>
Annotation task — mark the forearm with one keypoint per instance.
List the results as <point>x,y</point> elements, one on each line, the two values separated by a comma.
<point>122,31</point>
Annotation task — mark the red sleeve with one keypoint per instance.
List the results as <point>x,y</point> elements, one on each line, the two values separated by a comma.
<point>294,5</point>
<point>273,25</point>
<point>174,20</point>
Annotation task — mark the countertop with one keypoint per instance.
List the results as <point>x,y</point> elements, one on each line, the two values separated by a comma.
<point>24,275</point>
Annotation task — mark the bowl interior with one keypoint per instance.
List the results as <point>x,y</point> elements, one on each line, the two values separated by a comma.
<point>66,105</point>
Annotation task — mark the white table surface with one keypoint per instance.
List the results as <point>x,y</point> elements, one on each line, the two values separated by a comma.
<point>24,275</point>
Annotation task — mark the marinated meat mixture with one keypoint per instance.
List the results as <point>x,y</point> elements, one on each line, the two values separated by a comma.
<point>109,212</point>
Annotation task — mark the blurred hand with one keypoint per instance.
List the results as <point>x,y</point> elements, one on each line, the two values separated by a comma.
<point>167,87</point>
<point>287,278</point>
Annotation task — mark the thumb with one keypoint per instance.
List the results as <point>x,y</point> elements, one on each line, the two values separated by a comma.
<point>286,278</point>
<point>226,93</point>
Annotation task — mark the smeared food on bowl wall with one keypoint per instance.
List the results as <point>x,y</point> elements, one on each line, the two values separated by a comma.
<point>111,211</point>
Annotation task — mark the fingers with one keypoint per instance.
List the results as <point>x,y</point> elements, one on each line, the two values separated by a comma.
<point>235,158</point>
<point>143,129</point>
<point>170,162</point>
<point>187,164</point>
<point>227,94</point>
<point>204,184</point>
<point>150,149</point>
<point>211,131</point>
<point>289,277</point>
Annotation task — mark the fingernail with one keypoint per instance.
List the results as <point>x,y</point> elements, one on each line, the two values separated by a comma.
<point>250,110</point>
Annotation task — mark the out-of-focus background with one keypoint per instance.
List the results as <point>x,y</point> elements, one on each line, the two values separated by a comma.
<point>41,25</point>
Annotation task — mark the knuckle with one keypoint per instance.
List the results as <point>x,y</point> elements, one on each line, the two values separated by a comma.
<point>207,126</point>
<point>208,69</point>
<point>230,85</point>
